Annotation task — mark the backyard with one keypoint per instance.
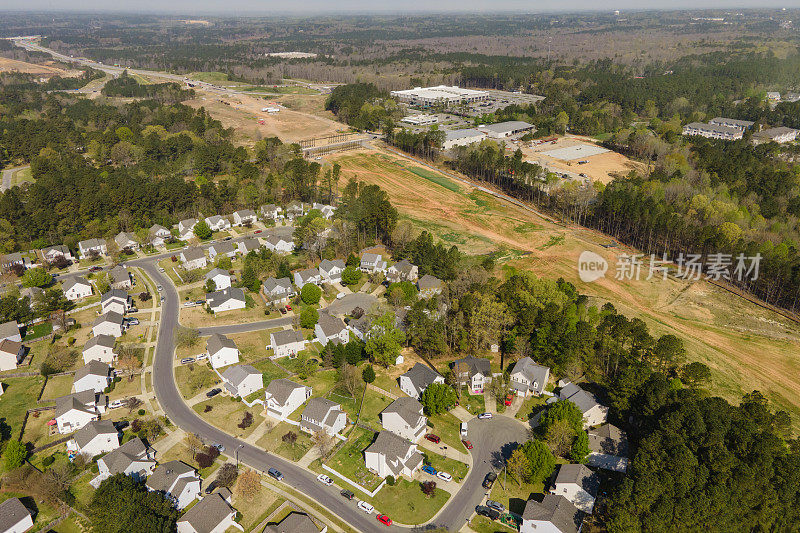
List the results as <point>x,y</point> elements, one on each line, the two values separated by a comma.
<point>19,396</point>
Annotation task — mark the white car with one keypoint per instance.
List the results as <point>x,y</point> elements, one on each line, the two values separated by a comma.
<point>340,296</point>
<point>483,416</point>
<point>115,404</point>
<point>364,506</point>
<point>325,480</point>
<point>202,356</point>
<point>444,476</point>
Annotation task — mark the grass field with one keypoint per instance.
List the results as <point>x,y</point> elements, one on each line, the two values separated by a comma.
<point>349,459</point>
<point>19,395</point>
<point>272,442</point>
<point>226,413</point>
<point>745,346</point>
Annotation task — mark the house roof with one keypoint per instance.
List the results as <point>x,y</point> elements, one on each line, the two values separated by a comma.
<point>157,228</point>
<point>250,244</point>
<point>207,514</point>
<point>187,223</point>
<point>9,329</point>
<point>533,372</point>
<point>308,273</point>
<point>71,282</point>
<point>287,336</point>
<point>555,509</point>
<point>56,248</point>
<point>237,374</point>
<point>112,294</point>
<point>319,408</point>
<point>275,240</point>
<point>270,208</point>
<point>106,341</point>
<point>294,523</point>
<point>580,475</point>
<point>370,258</point>
<point>193,253</point>
<point>87,433</point>
<point>110,316</point>
<point>327,265</point>
<point>390,445</point>
<point>772,133</point>
<point>91,243</point>
<point>475,365</point>
<point>165,475</point>
<point>583,399</point>
<point>409,409</point>
<point>224,247</point>
<point>405,266</point>
<point>429,282</point>
<point>211,274</point>
<point>270,284</point>
<point>217,342</point>
<point>245,213</point>
<point>10,347</point>
<point>119,273</point>
<point>219,297</point>
<point>421,376</point>
<point>330,325</point>
<point>737,122</point>
<point>124,238</point>
<point>280,389</point>
<point>120,459</point>
<point>77,401</point>
<point>92,368</point>
<point>608,439</point>
<point>12,512</point>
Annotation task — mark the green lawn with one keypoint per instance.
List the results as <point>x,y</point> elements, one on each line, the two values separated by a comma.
<point>269,370</point>
<point>349,459</point>
<point>448,428</point>
<point>179,452</point>
<point>457,469</point>
<point>474,403</point>
<point>530,406</point>
<point>374,403</point>
<point>481,524</point>
<point>21,176</point>
<point>191,379</point>
<point>71,525</point>
<point>38,330</point>
<point>388,384</point>
<point>263,505</point>
<point>19,396</point>
<point>514,496</point>
<point>45,513</point>
<point>82,491</point>
<point>57,386</point>
<point>293,452</point>
<point>406,503</point>
<point>227,412</point>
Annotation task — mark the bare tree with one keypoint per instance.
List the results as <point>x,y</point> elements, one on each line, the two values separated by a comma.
<point>194,443</point>
<point>186,337</point>
<point>324,442</point>
<point>350,379</point>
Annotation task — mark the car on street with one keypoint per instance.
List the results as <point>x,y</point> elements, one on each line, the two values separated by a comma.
<point>325,480</point>
<point>467,444</point>
<point>213,392</point>
<point>364,506</point>
<point>385,520</point>
<point>288,307</point>
<point>162,298</point>
<point>487,512</point>
<point>161,269</point>
<point>202,356</point>
<point>444,476</point>
<point>274,472</point>
<point>497,506</point>
<point>485,416</point>
<point>159,288</point>
<point>463,429</point>
<point>509,399</point>
<point>257,231</point>
<point>347,494</point>
<point>489,480</point>
<point>428,469</point>
<point>433,438</point>
<point>187,360</point>
<point>219,447</point>
<point>227,238</point>
<point>211,486</point>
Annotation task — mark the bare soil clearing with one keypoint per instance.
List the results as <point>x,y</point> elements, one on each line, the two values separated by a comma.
<point>45,69</point>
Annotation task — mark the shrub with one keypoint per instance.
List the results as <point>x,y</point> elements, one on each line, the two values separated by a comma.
<point>212,452</point>
<point>47,461</point>
<point>247,420</point>
<point>207,409</point>
<point>136,425</point>
<point>428,488</point>
<point>14,454</point>
<point>142,412</point>
<point>204,460</point>
<point>390,480</point>
<point>290,437</point>
<point>310,294</point>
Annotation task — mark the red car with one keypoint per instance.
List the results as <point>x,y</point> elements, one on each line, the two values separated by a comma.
<point>288,307</point>
<point>385,520</point>
<point>467,444</point>
<point>257,231</point>
<point>509,399</point>
<point>433,438</point>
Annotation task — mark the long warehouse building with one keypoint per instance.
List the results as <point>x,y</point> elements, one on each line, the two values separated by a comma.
<point>440,94</point>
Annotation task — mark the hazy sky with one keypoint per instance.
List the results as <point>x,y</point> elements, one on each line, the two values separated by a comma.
<point>310,7</point>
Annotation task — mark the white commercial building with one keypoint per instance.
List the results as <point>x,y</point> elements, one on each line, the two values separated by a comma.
<point>420,120</point>
<point>462,137</point>
<point>440,94</point>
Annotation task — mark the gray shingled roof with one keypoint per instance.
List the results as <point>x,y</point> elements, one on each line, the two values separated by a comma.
<point>318,409</point>
<point>429,282</point>
<point>534,372</point>
<point>87,433</point>
<point>71,282</point>
<point>327,265</point>
<point>224,247</point>
<point>555,509</point>
<point>271,283</point>
<point>193,253</point>
<point>9,329</point>
<point>409,410</point>
<point>391,445</point>
<point>287,336</point>
<point>584,400</point>
<point>330,325</point>
<point>12,512</point>
<point>217,298</point>
<point>120,459</point>
<point>110,316</point>
<point>92,368</point>
<point>475,365</point>
<point>216,342</point>
<point>280,389</point>
<point>608,439</point>
<point>404,266</point>
<point>421,376</point>
<point>579,475</point>
<point>308,273</point>
<point>119,274</point>
<point>207,514</point>
<point>106,341</point>
<point>294,523</point>
<point>165,475</point>
<point>77,401</point>
<point>117,294</point>
<point>249,244</point>
<point>211,274</point>
<point>236,374</point>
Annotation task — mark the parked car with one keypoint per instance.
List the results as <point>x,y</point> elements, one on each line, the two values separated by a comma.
<point>115,404</point>
<point>187,360</point>
<point>133,321</point>
<point>489,480</point>
<point>385,520</point>
<point>325,480</point>
<point>202,356</point>
<point>283,310</point>
<point>211,486</point>
<point>95,269</point>
<point>257,231</point>
<point>340,296</point>
<point>467,444</point>
<point>428,469</point>
<point>159,288</point>
<point>274,472</point>
<point>444,476</point>
<point>487,512</point>
<point>227,238</point>
<point>497,506</point>
<point>219,447</point>
<point>509,399</point>
<point>347,494</point>
<point>463,429</point>
<point>485,416</point>
<point>213,392</point>
<point>364,506</point>
<point>161,269</point>
<point>433,438</point>
<point>288,307</point>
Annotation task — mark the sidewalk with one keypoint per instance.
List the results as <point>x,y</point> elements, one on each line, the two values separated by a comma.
<point>309,457</point>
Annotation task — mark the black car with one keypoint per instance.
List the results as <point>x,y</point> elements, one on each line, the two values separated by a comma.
<point>347,494</point>
<point>487,512</point>
<point>489,480</point>
<point>213,392</point>
<point>211,486</point>
<point>275,473</point>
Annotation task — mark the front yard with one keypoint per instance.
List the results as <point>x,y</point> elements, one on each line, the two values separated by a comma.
<point>273,442</point>
<point>474,403</point>
<point>196,317</point>
<point>448,428</point>
<point>253,344</point>
<point>193,378</point>
<point>349,459</point>
<point>226,413</point>
<point>407,504</point>
<point>457,469</point>
<point>530,406</point>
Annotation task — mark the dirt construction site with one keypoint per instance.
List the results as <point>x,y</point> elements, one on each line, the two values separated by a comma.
<point>46,70</point>
<point>576,155</point>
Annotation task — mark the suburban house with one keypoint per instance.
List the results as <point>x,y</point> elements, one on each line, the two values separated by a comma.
<point>193,258</point>
<point>99,348</point>
<point>14,516</point>
<point>529,377</point>
<point>177,481</point>
<point>404,417</point>
<point>224,248</point>
<point>331,271</point>
<point>109,323</point>
<point>279,245</point>
<point>473,372</point>
<point>555,514</point>
<point>158,235</point>
<point>296,522</point>
<point>359,326</point>
<point>242,380</point>
<point>51,253</point>
<point>133,458</point>
<point>9,261</point>
<point>417,378</point>
<point>33,293</point>
<point>309,275</point>
<point>372,263</point>
<point>392,455</point>
<point>125,240</point>
<point>186,228</point>
<point>212,514</point>
<point>92,246</point>
<point>331,329</point>
<point>326,210</point>
<point>95,438</point>
<point>10,331</point>
<point>120,278</point>
<point>286,343</point>
<point>116,300</point>
<point>295,210</point>
<point>322,414</point>
<point>218,223</point>
<point>578,484</point>
<point>284,396</point>
<point>402,271</point>
<point>226,300</point>
<point>221,278</point>
<point>249,245</point>
<point>94,376</point>
<point>594,413</point>
<point>74,411</point>
<point>270,212</point>
<point>244,217</point>
<point>278,290</point>
<point>222,351</point>
<point>429,286</point>
<point>76,288</point>
<point>609,448</point>
<point>11,354</point>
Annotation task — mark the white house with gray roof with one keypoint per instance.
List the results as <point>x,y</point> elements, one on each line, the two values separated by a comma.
<point>226,300</point>
<point>218,223</point>
<point>133,458</point>
<point>120,278</point>
<point>578,484</point>
<point>404,417</point>
<point>242,380</point>
<point>372,263</point>
<point>158,235</point>
<point>528,377</point>
<point>271,212</point>
<point>116,300</point>
<point>609,448</point>
<point>95,438</point>
<point>177,481</point>
<point>92,246</point>
<point>109,323</point>
<point>322,414</point>
<point>212,514</point>
<point>221,351</point>
<point>331,271</point>
<point>309,275</point>
<point>393,455</point>
<point>249,245</point>
<point>278,290</point>
<point>224,248</point>
<point>11,354</point>
<point>10,330</point>
<point>125,240</point>
<point>402,271</point>
<point>417,378</point>
<point>243,217</point>
<point>186,228</point>
<point>555,514</point>
<point>283,397</point>
<point>326,210</point>
<point>76,288</point>
<point>474,372</point>
<point>51,253</point>
<point>594,413</point>
<point>74,411</point>
<point>286,343</point>
<point>221,278</point>
<point>99,348</point>
<point>331,329</point>
<point>94,376</point>
<point>429,286</point>
<point>193,258</point>
<point>14,516</point>
<point>279,245</point>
